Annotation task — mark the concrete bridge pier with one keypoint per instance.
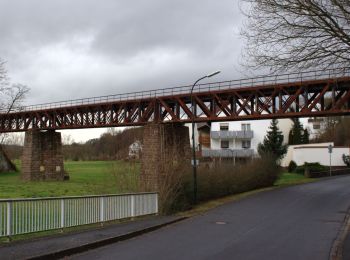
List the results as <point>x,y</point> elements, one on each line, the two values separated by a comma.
<point>166,153</point>
<point>42,157</point>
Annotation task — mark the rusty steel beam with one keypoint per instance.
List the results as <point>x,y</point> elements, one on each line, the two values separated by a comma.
<point>313,98</point>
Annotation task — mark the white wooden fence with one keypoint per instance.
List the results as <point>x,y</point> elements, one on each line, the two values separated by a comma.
<point>20,216</point>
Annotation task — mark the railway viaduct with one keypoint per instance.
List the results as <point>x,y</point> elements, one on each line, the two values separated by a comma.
<point>163,112</point>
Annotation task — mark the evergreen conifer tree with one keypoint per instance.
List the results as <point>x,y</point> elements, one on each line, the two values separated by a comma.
<point>306,136</point>
<point>273,142</point>
<point>296,133</point>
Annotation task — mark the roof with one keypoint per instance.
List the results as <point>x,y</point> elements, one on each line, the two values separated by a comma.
<point>202,125</point>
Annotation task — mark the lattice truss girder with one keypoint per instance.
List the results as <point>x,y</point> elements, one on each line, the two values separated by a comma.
<point>314,98</point>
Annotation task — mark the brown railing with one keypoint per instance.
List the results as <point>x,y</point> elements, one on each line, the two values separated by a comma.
<point>240,83</point>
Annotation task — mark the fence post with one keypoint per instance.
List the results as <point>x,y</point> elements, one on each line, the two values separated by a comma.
<point>102,208</point>
<point>62,214</point>
<point>9,218</point>
<point>132,206</point>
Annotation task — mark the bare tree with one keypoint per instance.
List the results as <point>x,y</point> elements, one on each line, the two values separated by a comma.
<point>11,95</point>
<point>296,34</point>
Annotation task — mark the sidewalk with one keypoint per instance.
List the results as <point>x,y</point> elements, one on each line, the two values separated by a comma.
<point>58,246</point>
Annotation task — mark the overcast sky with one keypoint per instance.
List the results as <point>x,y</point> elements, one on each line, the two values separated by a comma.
<point>67,49</point>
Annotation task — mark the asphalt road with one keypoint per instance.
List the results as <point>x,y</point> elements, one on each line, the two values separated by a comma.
<point>299,222</point>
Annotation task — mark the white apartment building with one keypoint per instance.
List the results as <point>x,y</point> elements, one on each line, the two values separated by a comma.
<point>237,139</point>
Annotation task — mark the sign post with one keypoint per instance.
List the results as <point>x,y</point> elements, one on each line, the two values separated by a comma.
<point>330,150</point>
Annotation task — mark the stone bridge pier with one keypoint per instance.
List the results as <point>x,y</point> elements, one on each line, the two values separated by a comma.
<point>166,151</point>
<point>42,157</point>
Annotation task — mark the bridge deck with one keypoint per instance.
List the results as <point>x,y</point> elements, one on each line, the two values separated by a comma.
<point>317,93</point>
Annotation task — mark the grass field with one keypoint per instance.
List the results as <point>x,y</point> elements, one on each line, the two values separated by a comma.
<point>86,178</point>
<point>93,178</point>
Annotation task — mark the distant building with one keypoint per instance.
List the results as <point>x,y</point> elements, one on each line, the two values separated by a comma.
<point>135,150</point>
<point>315,126</point>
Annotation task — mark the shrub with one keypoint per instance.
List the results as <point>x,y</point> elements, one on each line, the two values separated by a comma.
<point>300,169</point>
<point>225,179</point>
<point>176,187</point>
<point>346,159</point>
<point>292,166</point>
<point>312,170</point>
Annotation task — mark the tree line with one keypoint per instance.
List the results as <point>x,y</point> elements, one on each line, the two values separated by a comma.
<point>113,145</point>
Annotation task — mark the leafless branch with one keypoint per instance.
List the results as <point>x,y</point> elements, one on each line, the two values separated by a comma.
<point>11,95</point>
<point>297,34</point>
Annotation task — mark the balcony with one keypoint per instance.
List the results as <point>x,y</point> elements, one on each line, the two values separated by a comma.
<point>228,153</point>
<point>248,134</point>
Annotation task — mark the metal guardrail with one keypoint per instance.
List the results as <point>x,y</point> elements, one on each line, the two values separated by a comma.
<point>20,216</point>
<point>231,84</point>
<point>228,153</point>
<point>248,134</point>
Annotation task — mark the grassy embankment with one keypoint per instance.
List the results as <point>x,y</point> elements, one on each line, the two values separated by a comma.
<point>86,178</point>
<point>91,178</point>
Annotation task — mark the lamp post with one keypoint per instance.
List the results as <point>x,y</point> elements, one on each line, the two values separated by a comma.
<point>194,162</point>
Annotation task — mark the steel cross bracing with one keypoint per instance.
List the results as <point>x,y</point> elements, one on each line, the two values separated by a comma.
<point>319,93</point>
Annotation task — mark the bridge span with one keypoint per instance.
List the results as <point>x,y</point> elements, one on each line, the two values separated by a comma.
<point>306,94</point>
<point>163,112</point>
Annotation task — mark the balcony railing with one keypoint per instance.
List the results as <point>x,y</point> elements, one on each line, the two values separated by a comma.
<point>228,153</point>
<point>248,134</point>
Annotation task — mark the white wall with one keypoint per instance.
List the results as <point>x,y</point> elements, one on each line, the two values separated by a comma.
<point>290,152</point>
<point>320,155</point>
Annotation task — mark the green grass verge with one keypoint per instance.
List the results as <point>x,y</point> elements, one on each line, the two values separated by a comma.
<point>86,178</point>
<point>287,178</point>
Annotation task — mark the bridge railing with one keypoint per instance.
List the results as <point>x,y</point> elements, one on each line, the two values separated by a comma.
<point>20,216</point>
<point>222,85</point>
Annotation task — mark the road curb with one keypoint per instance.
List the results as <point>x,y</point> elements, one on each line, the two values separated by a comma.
<point>338,244</point>
<point>103,242</point>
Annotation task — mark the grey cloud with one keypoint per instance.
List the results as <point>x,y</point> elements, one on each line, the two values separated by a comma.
<point>67,49</point>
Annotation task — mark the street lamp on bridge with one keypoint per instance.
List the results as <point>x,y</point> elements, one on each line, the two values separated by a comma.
<point>194,161</point>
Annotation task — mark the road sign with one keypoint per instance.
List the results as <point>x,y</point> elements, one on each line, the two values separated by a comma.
<point>330,148</point>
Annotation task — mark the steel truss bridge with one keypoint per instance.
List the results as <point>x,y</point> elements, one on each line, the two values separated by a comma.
<point>305,94</point>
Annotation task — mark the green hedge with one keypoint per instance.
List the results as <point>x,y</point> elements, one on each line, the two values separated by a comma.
<point>313,170</point>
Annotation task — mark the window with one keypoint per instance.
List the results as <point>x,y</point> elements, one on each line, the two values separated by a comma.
<point>223,127</point>
<point>316,126</point>
<point>246,144</point>
<point>225,144</point>
<point>245,127</point>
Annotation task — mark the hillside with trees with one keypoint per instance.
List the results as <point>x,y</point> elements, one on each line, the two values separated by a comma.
<point>336,130</point>
<point>113,145</point>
